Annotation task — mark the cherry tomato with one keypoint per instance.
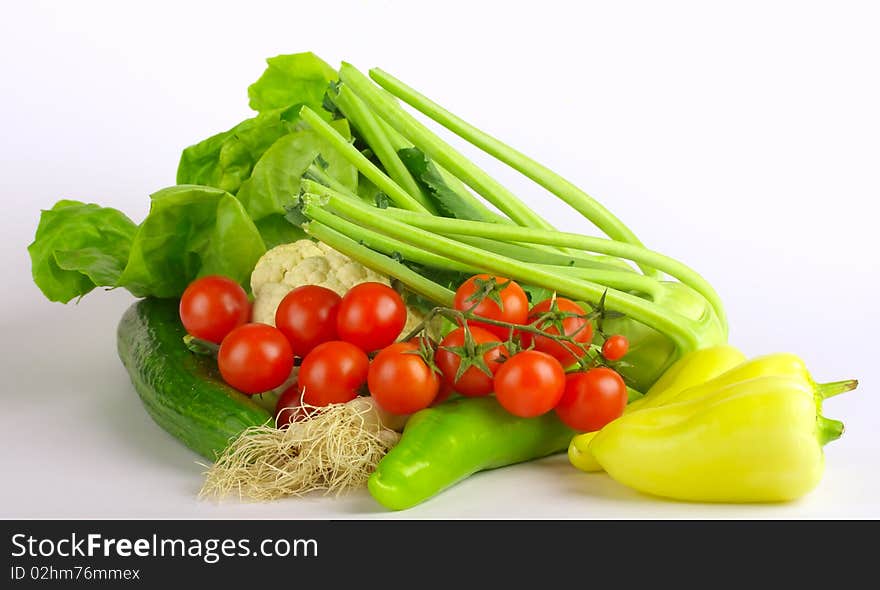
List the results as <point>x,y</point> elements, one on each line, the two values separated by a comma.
<point>211,307</point>
<point>514,307</point>
<point>592,399</point>
<point>615,347</point>
<point>473,382</point>
<point>529,383</point>
<point>307,317</point>
<point>578,328</point>
<point>254,358</point>
<point>288,409</point>
<point>371,316</point>
<point>332,373</point>
<point>401,381</point>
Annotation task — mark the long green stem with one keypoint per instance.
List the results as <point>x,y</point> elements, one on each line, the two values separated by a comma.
<point>316,177</point>
<point>553,182</point>
<point>399,142</point>
<point>624,281</point>
<point>372,131</point>
<point>531,254</point>
<point>314,173</point>
<point>439,150</point>
<point>632,252</point>
<point>380,263</point>
<point>402,198</point>
<point>382,243</point>
<point>676,327</point>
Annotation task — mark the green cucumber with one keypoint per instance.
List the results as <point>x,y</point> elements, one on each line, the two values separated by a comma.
<point>182,391</point>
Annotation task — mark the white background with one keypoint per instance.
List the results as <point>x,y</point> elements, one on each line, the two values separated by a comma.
<point>741,137</point>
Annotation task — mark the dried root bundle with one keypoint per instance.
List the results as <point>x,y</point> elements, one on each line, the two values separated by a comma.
<point>334,449</point>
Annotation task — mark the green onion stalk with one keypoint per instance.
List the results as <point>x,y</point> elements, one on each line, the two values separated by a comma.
<point>431,232</point>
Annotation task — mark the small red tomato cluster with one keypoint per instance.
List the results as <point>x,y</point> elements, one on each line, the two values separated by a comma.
<point>331,335</point>
<point>346,344</point>
<point>252,357</point>
<point>545,339</point>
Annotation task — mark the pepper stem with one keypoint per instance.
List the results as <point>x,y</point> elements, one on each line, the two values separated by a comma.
<point>826,390</point>
<point>829,429</point>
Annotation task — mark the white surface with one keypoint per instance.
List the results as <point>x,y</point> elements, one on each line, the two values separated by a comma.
<point>741,139</point>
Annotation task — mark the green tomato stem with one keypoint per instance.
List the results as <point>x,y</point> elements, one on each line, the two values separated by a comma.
<point>439,150</point>
<point>380,263</point>
<point>461,316</point>
<point>553,182</point>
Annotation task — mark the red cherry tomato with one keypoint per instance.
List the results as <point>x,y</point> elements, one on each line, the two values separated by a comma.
<point>288,409</point>
<point>473,382</point>
<point>615,347</point>
<point>332,373</point>
<point>371,316</point>
<point>401,381</point>
<point>211,307</point>
<point>529,383</point>
<point>578,328</point>
<point>592,399</point>
<point>254,358</point>
<point>307,317</point>
<point>514,306</point>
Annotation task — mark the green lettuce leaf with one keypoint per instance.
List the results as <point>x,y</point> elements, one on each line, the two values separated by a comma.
<point>275,181</point>
<point>292,80</point>
<point>78,247</point>
<point>226,160</point>
<point>191,231</point>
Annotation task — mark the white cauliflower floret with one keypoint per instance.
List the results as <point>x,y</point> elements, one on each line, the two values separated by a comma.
<point>267,300</point>
<point>304,262</point>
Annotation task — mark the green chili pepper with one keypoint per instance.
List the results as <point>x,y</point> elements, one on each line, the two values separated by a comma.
<point>443,445</point>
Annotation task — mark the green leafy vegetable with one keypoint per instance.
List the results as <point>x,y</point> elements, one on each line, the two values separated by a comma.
<point>226,160</point>
<point>275,181</point>
<point>276,177</point>
<point>447,201</point>
<point>191,231</point>
<point>78,247</point>
<point>292,80</point>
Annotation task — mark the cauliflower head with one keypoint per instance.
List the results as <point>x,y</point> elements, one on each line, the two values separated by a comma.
<point>304,262</point>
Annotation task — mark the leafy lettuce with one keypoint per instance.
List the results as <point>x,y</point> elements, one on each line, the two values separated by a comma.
<point>78,247</point>
<point>228,205</point>
<point>191,231</point>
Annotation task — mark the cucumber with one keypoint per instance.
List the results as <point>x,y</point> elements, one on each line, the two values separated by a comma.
<point>182,391</point>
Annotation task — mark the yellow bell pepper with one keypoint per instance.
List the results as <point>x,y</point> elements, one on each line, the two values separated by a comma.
<point>751,440</point>
<point>692,369</point>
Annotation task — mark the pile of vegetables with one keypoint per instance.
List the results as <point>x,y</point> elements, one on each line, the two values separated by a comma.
<point>345,265</point>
